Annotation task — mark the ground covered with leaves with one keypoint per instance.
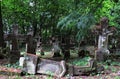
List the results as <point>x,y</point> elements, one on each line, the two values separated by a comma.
<point>112,71</point>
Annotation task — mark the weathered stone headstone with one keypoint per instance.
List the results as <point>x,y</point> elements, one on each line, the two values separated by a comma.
<point>83,70</point>
<point>32,64</point>
<point>15,53</point>
<point>56,49</point>
<point>103,51</point>
<point>29,63</point>
<point>14,47</point>
<point>51,67</point>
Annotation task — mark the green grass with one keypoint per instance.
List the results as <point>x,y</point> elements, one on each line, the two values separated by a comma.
<point>80,62</point>
<point>117,77</point>
<point>15,65</point>
<point>115,63</point>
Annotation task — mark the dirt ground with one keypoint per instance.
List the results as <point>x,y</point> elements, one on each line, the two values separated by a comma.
<point>112,72</point>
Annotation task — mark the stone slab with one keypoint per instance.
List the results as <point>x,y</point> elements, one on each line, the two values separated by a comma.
<point>51,67</point>
<point>29,63</point>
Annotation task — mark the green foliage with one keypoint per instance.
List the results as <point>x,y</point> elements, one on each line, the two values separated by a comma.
<point>80,19</point>
<point>15,65</point>
<point>115,63</point>
<point>80,62</point>
<point>115,12</point>
<point>117,77</point>
<point>80,23</point>
<point>5,52</point>
<point>112,63</point>
<point>111,66</point>
<point>51,16</point>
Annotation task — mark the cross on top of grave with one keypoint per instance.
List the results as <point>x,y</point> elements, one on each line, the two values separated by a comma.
<point>14,37</point>
<point>103,51</point>
<point>15,53</point>
<point>103,37</point>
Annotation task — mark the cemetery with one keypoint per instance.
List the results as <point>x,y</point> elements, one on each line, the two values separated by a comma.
<point>44,43</point>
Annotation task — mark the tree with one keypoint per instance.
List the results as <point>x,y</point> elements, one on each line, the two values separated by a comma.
<point>75,16</point>
<point>1,31</point>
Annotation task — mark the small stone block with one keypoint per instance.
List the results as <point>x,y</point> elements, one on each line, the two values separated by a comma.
<point>29,63</point>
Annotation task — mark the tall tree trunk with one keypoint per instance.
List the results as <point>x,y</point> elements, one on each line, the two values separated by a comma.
<point>34,28</point>
<point>35,19</point>
<point>1,32</point>
<point>1,29</point>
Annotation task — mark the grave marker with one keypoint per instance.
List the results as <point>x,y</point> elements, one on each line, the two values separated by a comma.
<point>14,52</point>
<point>103,52</point>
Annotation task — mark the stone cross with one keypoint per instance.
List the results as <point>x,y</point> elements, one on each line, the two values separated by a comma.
<point>15,39</point>
<point>14,52</point>
<point>103,41</point>
<point>103,37</point>
<point>103,51</point>
<point>14,47</point>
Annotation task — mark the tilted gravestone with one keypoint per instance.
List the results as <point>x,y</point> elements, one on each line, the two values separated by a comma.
<point>51,67</point>
<point>29,63</point>
<point>32,65</point>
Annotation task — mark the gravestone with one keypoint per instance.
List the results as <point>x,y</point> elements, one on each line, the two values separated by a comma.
<point>55,47</point>
<point>29,63</point>
<point>14,52</point>
<point>91,67</point>
<point>32,64</point>
<point>51,67</point>
<point>14,37</point>
<point>103,52</point>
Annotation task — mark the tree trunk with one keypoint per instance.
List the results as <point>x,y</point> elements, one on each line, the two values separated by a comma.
<point>1,32</point>
<point>34,27</point>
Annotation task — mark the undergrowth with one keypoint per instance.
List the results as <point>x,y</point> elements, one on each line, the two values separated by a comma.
<point>80,61</point>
